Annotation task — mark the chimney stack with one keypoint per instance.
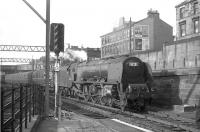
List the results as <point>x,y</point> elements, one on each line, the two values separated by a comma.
<point>153,13</point>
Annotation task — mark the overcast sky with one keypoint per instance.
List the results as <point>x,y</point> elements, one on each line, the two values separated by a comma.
<point>85,20</point>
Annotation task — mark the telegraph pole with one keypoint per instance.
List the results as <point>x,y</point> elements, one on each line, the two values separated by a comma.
<point>47,22</point>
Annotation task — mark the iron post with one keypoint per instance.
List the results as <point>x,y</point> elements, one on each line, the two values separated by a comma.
<point>47,22</point>
<point>47,57</point>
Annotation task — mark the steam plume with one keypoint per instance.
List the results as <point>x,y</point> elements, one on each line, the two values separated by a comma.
<point>72,55</point>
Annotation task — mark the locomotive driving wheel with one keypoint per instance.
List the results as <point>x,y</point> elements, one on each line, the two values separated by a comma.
<point>106,100</point>
<point>109,101</point>
<point>67,92</point>
<point>87,97</point>
<point>92,92</point>
<point>74,92</point>
<point>138,105</point>
<point>86,92</point>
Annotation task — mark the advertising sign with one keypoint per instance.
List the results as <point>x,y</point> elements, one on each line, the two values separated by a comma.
<point>141,31</point>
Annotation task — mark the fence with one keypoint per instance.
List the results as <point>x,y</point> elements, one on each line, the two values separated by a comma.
<point>18,104</point>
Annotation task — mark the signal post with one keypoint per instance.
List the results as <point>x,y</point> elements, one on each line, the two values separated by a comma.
<point>57,108</point>
<point>57,45</point>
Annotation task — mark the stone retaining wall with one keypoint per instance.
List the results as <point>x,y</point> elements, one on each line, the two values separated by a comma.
<point>177,87</point>
<point>176,70</point>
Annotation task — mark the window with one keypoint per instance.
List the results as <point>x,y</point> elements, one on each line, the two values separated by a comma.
<point>103,50</point>
<point>138,44</point>
<point>128,33</point>
<point>195,8</point>
<point>132,31</point>
<point>102,41</point>
<point>182,10</point>
<point>196,25</point>
<point>182,28</point>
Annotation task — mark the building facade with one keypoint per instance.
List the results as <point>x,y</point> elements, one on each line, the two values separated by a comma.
<point>187,19</point>
<point>130,37</point>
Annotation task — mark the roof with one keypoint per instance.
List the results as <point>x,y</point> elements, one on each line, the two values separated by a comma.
<point>114,31</point>
<point>184,3</point>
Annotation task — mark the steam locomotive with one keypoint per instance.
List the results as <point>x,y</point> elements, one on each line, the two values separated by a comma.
<point>121,82</point>
<point>117,82</point>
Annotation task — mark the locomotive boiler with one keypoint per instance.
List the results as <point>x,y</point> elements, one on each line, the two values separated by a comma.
<point>119,82</point>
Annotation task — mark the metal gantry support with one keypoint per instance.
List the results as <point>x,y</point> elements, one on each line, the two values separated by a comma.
<point>22,48</point>
<point>20,60</point>
<point>47,67</point>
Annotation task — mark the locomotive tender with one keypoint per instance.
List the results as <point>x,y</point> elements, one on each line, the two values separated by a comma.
<point>119,82</point>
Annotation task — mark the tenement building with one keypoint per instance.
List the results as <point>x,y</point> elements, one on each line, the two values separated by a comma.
<point>187,19</point>
<point>129,37</point>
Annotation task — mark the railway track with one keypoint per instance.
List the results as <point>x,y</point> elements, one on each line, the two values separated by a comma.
<point>152,120</point>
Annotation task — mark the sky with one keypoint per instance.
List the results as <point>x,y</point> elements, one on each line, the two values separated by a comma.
<point>85,20</point>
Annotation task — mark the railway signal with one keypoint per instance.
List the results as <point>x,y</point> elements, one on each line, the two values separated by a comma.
<point>57,38</point>
<point>57,46</point>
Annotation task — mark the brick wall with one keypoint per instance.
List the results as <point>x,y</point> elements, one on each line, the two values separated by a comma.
<point>182,55</point>
<point>176,70</point>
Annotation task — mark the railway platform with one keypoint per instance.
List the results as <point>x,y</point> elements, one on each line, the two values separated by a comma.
<point>78,123</point>
<point>75,124</point>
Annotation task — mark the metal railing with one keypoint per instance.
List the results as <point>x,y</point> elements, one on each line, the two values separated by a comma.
<point>19,103</point>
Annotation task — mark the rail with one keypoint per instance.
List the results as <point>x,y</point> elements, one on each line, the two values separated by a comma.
<point>18,104</point>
